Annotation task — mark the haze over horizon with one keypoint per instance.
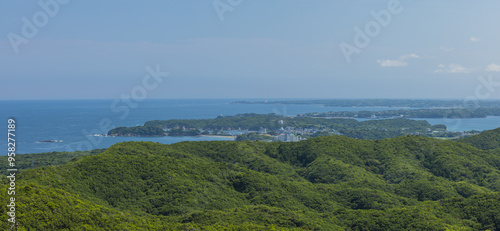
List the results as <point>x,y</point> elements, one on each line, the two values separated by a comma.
<point>251,49</point>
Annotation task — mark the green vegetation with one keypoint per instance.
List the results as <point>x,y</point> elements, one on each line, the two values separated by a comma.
<point>47,208</point>
<point>136,131</point>
<point>180,132</point>
<point>36,160</point>
<point>253,137</point>
<point>251,121</point>
<point>413,113</point>
<point>151,131</point>
<point>372,129</point>
<point>486,140</point>
<point>324,183</point>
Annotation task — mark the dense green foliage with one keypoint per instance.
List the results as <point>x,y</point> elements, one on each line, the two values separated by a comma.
<point>324,183</point>
<point>151,131</point>
<point>180,132</point>
<point>371,129</point>
<point>250,121</point>
<point>253,137</point>
<point>46,208</point>
<point>486,140</point>
<point>35,160</point>
<point>136,131</point>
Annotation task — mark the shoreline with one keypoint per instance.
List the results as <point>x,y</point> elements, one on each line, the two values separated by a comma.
<point>218,136</point>
<point>214,136</point>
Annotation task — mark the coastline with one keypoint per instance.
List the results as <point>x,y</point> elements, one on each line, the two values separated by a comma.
<point>218,136</point>
<point>213,136</point>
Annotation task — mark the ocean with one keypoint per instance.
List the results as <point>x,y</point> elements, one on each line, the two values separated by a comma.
<point>75,121</point>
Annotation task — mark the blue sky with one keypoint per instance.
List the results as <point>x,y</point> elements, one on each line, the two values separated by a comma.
<point>266,49</point>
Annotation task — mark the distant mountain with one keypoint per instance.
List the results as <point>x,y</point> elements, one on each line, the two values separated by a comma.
<point>486,140</point>
<point>324,183</point>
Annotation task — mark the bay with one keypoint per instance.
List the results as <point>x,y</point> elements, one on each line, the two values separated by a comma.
<point>74,121</point>
<point>479,124</point>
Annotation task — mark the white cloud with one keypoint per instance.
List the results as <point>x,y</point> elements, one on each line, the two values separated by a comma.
<point>397,62</point>
<point>493,67</point>
<point>410,56</point>
<point>447,49</point>
<point>475,39</point>
<point>391,63</point>
<point>453,69</point>
<point>459,69</point>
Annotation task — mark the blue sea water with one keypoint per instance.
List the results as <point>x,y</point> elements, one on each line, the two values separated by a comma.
<point>72,121</point>
<point>479,124</point>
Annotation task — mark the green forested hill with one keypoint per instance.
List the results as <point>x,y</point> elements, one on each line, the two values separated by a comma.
<point>35,160</point>
<point>486,140</point>
<point>255,122</point>
<point>136,131</point>
<point>324,183</point>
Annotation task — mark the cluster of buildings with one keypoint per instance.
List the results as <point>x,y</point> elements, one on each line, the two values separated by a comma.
<point>291,134</point>
<point>287,137</point>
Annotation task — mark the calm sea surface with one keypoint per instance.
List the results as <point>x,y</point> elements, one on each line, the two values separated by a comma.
<point>73,120</point>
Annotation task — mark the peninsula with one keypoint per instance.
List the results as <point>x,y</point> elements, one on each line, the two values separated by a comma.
<point>284,128</point>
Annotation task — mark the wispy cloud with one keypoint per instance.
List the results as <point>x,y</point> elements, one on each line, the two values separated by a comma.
<point>493,67</point>
<point>459,69</point>
<point>410,56</point>
<point>391,63</point>
<point>447,49</point>
<point>453,69</point>
<point>475,39</point>
<point>397,62</point>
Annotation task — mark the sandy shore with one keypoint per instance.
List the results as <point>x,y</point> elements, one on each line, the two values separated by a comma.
<point>217,136</point>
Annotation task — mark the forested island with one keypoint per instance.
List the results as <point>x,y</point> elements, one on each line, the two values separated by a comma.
<point>323,183</point>
<point>151,131</point>
<point>412,113</point>
<point>401,103</point>
<point>284,128</point>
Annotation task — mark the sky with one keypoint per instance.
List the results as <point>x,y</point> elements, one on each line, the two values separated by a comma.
<point>68,49</point>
